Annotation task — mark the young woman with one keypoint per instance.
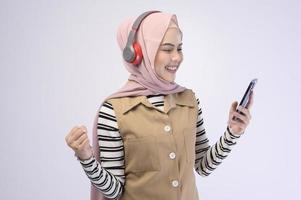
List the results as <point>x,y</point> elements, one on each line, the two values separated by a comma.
<point>149,136</point>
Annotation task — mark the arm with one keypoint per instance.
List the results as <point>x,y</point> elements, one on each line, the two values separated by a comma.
<point>108,176</point>
<point>209,157</point>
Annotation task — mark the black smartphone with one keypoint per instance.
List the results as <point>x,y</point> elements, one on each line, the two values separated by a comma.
<point>245,99</point>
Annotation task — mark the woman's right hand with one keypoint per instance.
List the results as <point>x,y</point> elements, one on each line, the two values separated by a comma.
<point>77,139</point>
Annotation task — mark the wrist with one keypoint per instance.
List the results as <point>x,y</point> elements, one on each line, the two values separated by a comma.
<point>232,133</point>
<point>84,155</point>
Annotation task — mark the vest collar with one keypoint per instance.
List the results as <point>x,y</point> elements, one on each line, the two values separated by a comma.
<point>170,101</point>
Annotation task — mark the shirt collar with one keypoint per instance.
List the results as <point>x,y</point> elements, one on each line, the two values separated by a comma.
<point>170,101</point>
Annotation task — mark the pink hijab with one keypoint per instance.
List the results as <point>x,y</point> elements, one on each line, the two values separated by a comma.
<point>142,80</point>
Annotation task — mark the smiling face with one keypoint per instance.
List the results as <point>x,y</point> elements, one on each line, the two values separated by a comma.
<point>169,55</point>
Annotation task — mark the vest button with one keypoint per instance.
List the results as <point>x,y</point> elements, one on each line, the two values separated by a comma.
<point>172,155</point>
<point>167,128</point>
<point>175,183</point>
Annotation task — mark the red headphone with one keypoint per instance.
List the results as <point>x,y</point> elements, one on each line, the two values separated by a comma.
<point>132,52</point>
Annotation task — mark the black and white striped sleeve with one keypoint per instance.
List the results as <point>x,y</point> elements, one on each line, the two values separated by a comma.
<point>208,157</point>
<point>108,176</point>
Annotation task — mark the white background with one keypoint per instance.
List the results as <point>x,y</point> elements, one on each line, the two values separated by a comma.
<point>60,59</point>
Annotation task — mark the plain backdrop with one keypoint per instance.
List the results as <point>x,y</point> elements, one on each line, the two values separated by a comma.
<point>59,60</point>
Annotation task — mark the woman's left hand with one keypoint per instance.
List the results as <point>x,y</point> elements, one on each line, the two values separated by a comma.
<point>243,117</point>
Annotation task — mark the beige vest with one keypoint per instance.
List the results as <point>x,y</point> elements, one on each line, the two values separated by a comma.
<point>159,146</point>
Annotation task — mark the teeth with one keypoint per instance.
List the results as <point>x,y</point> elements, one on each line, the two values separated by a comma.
<point>171,68</point>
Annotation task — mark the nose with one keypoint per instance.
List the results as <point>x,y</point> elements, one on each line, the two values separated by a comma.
<point>176,57</point>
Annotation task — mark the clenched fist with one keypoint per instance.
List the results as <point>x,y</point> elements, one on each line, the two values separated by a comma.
<point>77,139</point>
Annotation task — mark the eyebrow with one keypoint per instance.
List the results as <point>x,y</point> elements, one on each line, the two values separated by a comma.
<point>170,44</point>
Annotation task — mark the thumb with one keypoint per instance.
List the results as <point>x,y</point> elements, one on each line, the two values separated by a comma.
<point>83,127</point>
<point>233,106</point>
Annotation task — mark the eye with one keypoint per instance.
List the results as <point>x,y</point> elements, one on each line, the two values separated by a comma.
<point>180,47</point>
<point>167,50</point>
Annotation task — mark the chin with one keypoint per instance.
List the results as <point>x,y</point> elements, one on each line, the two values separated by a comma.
<point>171,81</point>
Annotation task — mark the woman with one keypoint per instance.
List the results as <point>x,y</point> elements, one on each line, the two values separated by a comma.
<point>150,134</point>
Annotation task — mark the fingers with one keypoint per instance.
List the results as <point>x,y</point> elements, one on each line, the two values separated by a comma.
<point>81,139</point>
<point>239,117</point>
<point>250,103</point>
<point>241,113</point>
<point>233,106</point>
<point>232,109</point>
<point>244,111</point>
<point>236,127</point>
<point>76,132</point>
<point>76,136</point>
<point>81,143</point>
<point>242,118</point>
<point>236,123</point>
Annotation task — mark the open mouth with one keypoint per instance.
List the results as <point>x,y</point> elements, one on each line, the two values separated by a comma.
<point>171,69</point>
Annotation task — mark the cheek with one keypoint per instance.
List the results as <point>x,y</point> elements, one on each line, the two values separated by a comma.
<point>161,60</point>
<point>160,64</point>
<point>159,68</point>
<point>181,57</point>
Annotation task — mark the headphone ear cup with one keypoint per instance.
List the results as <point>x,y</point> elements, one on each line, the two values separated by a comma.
<point>138,54</point>
<point>129,54</point>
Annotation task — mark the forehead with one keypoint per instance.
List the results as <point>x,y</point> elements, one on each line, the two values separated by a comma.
<point>172,35</point>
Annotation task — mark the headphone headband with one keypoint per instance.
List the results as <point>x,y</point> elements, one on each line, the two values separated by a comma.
<point>137,23</point>
<point>129,52</point>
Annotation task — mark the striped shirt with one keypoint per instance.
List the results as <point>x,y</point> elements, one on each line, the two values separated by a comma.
<point>109,177</point>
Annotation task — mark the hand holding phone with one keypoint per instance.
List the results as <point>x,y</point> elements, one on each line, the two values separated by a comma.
<point>246,98</point>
